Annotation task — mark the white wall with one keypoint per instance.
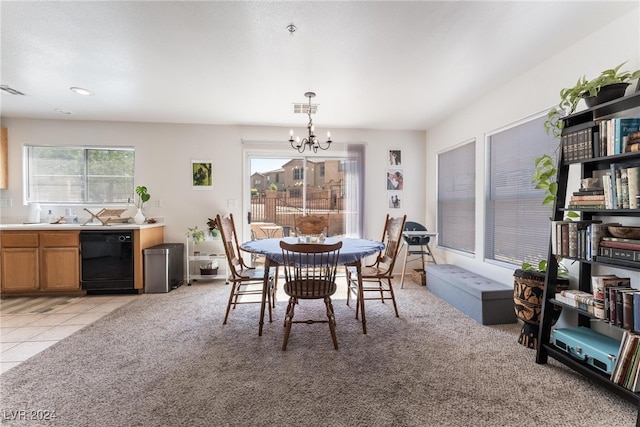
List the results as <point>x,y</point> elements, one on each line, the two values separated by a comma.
<point>531,93</point>
<point>163,160</point>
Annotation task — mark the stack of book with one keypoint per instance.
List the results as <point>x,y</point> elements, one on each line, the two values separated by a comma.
<point>588,199</point>
<point>620,251</point>
<point>626,371</point>
<point>578,299</point>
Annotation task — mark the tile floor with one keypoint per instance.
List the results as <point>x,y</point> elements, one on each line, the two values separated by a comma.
<point>30,325</point>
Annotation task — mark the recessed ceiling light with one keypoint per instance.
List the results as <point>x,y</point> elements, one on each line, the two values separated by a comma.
<point>58,110</point>
<point>81,91</point>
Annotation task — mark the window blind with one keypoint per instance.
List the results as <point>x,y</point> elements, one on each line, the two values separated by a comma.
<point>456,198</point>
<point>517,224</point>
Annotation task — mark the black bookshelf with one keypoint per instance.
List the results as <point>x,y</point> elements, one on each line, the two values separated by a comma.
<point>622,107</point>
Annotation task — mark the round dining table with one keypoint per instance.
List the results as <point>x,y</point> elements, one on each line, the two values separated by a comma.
<point>352,252</point>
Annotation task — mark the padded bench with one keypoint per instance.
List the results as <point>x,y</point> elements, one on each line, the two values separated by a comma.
<point>486,301</point>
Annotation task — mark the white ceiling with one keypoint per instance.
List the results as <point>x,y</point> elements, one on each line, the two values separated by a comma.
<point>378,65</point>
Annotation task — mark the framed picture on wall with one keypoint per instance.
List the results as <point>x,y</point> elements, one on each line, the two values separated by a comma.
<point>395,200</point>
<point>394,158</point>
<point>395,179</point>
<point>201,175</point>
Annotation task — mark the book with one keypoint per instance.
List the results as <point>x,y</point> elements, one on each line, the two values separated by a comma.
<point>622,128</point>
<point>624,184</point>
<point>618,189</point>
<point>633,367</point>
<point>610,300</point>
<point>633,173</point>
<point>620,239</point>
<point>604,259</point>
<point>587,197</point>
<point>615,304</point>
<point>628,347</point>
<point>596,192</point>
<point>636,312</point>
<point>608,188</point>
<point>627,309</point>
<point>620,245</point>
<point>598,289</point>
<point>619,312</point>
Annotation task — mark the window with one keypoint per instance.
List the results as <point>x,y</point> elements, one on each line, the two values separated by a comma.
<point>517,227</point>
<point>322,169</point>
<point>79,175</point>
<point>456,198</point>
<point>298,173</point>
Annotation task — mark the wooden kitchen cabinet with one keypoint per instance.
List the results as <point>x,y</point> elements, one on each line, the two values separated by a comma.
<point>20,262</point>
<point>60,261</point>
<point>40,262</point>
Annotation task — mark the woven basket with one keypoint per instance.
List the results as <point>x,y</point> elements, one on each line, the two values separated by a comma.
<point>209,271</point>
<point>528,292</point>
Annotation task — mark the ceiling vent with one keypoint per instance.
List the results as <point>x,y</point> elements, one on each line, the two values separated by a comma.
<point>303,108</point>
<point>10,90</point>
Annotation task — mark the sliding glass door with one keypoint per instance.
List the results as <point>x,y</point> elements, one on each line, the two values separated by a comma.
<point>284,187</point>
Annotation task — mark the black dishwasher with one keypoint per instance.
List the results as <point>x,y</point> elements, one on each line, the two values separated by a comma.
<point>107,261</point>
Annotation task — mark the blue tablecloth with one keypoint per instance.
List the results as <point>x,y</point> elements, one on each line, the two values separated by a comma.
<point>352,249</point>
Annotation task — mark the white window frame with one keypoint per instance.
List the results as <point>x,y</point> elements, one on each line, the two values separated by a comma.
<point>82,179</point>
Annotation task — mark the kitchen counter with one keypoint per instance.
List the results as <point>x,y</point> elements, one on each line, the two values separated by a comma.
<point>90,226</point>
<point>44,259</point>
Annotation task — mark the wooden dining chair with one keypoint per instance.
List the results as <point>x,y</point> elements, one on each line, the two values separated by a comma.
<point>310,273</point>
<point>376,277</point>
<point>246,282</point>
<point>311,224</point>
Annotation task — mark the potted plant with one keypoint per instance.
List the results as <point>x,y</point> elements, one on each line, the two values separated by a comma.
<point>143,197</point>
<point>195,234</point>
<point>609,85</point>
<point>213,227</point>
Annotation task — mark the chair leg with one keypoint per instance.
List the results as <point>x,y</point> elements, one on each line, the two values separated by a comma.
<point>381,290</point>
<point>393,298</point>
<point>348,275</point>
<point>288,321</point>
<point>332,321</point>
<point>404,265</point>
<point>270,297</point>
<point>275,286</point>
<point>231,294</point>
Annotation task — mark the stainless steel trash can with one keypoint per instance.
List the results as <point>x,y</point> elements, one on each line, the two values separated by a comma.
<point>163,267</point>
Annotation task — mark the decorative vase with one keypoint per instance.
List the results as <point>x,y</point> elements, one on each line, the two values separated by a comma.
<point>528,298</point>
<point>139,218</point>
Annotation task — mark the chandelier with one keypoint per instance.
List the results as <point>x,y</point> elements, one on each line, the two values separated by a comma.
<point>311,141</point>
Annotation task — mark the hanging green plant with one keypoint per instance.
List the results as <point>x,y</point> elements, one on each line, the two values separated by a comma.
<point>570,97</point>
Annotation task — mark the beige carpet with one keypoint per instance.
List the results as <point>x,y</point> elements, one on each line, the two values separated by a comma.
<point>167,360</point>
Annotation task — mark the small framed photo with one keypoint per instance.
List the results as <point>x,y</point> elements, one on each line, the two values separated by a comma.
<point>201,175</point>
<point>395,200</point>
<point>395,158</point>
<point>395,179</point>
